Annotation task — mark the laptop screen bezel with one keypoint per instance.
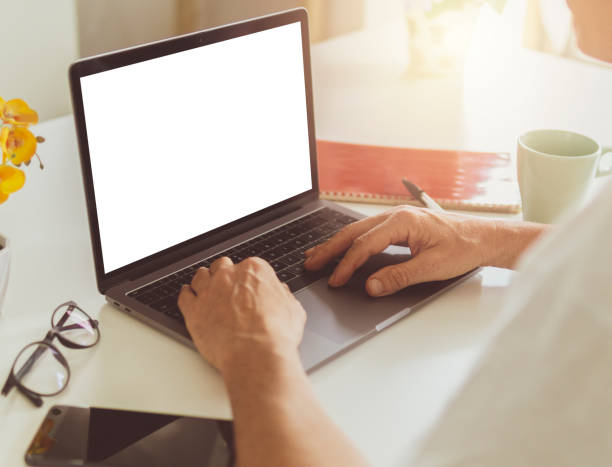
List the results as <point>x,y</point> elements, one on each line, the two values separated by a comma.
<point>105,62</point>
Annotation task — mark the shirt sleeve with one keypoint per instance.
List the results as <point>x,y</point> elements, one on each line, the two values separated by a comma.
<point>541,394</point>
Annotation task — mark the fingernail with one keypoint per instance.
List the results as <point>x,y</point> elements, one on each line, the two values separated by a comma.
<point>332,279</point>
<point>375,287</point>
<point>309,251</point>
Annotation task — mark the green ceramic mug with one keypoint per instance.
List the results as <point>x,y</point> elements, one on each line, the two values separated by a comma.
<point>555,169</point>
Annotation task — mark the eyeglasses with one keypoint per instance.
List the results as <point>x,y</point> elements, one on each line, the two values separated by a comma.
<point>40,369</point>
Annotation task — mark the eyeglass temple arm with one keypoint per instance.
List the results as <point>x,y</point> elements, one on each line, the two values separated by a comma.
<point>26,366</point>
<point>8,384</point>
<point>33,398</point>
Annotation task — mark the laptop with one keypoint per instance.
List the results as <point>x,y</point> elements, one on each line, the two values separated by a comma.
<point>203,146</point>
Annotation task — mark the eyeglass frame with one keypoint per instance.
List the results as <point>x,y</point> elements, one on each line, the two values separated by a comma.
<point>13,379</point>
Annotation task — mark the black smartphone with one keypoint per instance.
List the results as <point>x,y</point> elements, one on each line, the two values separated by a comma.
<point>70,436</point>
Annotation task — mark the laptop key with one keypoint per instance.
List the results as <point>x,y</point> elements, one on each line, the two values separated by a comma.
<point>285,275</point>
<point>173,312</point>
<point>346,220</point>
<point>292,258</point>
<point>297,269</point>
<point>284,249</point>
<point>165,304</point>
<point>236,258</point>
<point>295,243</point>
<point>164,289</point>
<point>282,237</point>
<point>267,244</point>
<point>251,251</point>
<point>271,255</point>
<point>310,236</point>
<point>278,265</point>
<point>147,299</point>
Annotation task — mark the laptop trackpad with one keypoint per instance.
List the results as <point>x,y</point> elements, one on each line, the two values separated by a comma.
<point>345,313</point>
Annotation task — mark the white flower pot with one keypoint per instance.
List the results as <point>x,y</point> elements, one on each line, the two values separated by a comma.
<point>5,262</point>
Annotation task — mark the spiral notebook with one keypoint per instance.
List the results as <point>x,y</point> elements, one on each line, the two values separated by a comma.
<point>462,180</point>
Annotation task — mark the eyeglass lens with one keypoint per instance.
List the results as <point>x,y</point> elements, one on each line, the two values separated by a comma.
<point>74,325</point>
<point>39,368</point>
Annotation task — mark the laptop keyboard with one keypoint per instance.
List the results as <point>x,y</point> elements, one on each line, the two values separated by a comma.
<point>282,247</point>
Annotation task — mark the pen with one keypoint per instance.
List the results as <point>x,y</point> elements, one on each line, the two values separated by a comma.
<point>421,196</point>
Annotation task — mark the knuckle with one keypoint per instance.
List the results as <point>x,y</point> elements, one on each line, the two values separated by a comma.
<point>404,213</point>
<point>251,261</point>
<point>196,278</point>
<point>182,298</point>
<point>201,272</point>
<point>347,230</point>
<point>363,245</point>
<point>396,278</point>
<point>361,241</point>
<point>255,263</point>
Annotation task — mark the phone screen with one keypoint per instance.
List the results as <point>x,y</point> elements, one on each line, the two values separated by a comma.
<point>71,436</point>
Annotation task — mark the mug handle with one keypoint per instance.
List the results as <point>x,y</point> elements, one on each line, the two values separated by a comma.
<point>605,151</point>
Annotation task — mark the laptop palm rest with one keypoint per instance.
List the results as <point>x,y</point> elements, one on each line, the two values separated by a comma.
<point>344,314</point>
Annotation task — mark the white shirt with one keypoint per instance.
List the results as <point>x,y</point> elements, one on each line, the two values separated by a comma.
<point>542,392</point>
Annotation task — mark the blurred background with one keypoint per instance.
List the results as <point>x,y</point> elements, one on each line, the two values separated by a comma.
<point>42,37</point>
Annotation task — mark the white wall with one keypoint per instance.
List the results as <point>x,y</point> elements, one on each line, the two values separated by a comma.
<point>38,44</point>
<point>380,12</point>
<point>106,25</point>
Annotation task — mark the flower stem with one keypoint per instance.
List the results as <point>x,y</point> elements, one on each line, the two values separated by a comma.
<point>42,166</point>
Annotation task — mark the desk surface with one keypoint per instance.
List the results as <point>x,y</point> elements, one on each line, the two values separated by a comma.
<point>385,393</point>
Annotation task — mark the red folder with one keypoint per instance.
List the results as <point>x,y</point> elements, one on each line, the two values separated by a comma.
<point>475,181</point>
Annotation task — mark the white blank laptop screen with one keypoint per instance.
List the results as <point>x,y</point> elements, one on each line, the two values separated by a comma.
<point>186,143</point>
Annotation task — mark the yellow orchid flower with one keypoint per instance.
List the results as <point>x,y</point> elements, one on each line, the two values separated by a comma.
<point>18,145</point>
<point>17,112</point>
<point>11,180</point>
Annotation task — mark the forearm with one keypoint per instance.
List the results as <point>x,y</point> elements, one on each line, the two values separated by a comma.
<point>508,240</point>
<point>278,421</point>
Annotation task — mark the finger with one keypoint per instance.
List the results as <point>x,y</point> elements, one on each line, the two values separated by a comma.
<point>200,279</point>
<point>320,255</point>
<point>221,263</point>
<point>256,265</point>
<point>422,268</point>
<point>186,299</point>
<point>372,242</point>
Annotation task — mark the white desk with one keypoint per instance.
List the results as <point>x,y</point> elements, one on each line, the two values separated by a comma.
<point>385,393</point>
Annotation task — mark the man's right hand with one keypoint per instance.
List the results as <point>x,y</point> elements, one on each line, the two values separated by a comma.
<point>242,312</point>
<point>443,245</point>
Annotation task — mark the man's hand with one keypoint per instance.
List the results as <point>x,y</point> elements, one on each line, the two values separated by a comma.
<point>243,309</point>
<point>443,245</point>
<point>248,325</point>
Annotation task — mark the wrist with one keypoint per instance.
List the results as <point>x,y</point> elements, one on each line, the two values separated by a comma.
<point>507,240</point>
<point>252,369</point>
